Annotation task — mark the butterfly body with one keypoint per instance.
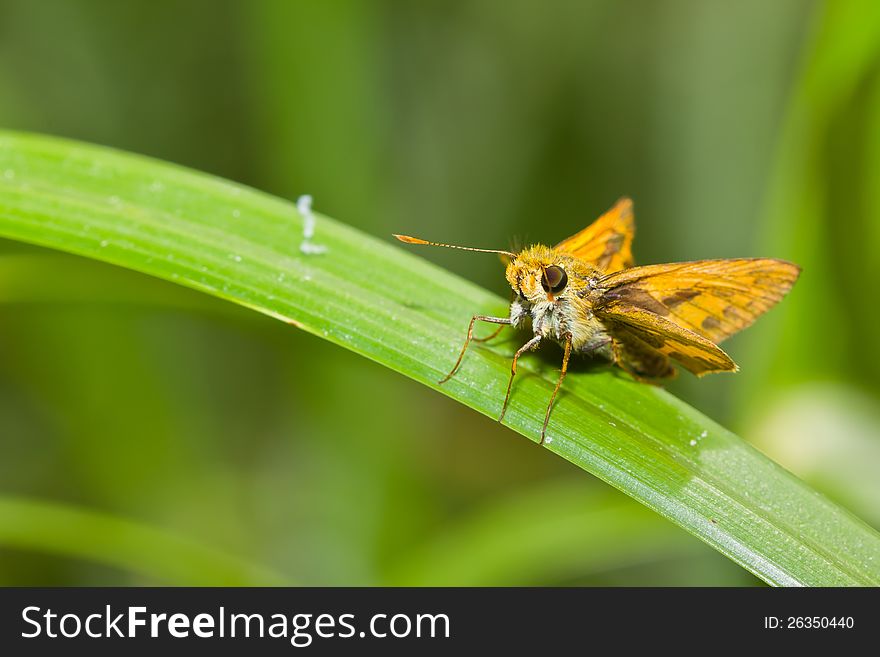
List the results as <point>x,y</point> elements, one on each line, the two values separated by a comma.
<point>557,315</point>
<point>585,294</point>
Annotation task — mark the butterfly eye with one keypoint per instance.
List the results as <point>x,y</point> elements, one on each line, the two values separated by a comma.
<point>554,279</point>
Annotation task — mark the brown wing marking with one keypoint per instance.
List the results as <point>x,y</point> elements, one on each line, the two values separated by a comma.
<point>607,242</point>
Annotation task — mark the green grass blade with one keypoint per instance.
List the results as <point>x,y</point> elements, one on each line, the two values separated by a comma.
<point>147,551</point>
<point>390,305</point>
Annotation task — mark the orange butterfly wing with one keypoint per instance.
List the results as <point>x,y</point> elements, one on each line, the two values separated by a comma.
<point>691,350</point>
<point>607,242</point>
<point>700,302</point>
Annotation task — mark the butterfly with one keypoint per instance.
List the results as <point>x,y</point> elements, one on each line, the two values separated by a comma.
<point>586,294</point>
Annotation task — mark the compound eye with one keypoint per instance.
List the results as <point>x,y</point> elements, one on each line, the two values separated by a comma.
<point>554,279</point>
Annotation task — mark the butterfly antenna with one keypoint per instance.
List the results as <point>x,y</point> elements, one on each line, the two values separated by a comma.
<point>415,240</point>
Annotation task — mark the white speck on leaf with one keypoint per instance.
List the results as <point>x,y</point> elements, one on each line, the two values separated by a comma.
<point>235,256</point>
<point>236,213</point>
<point>9,174</point>
<point>304,207</point>
<point>702,435</point>
<point>104,243</point>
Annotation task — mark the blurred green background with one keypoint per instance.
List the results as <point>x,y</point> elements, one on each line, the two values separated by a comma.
<point>158,437</point>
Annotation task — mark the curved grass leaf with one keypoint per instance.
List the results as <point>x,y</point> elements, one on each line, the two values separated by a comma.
<point>389,305</point>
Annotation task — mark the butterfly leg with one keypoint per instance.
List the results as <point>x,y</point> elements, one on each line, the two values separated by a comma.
<point>528,346</point>
<point>490,336</point>
<point>500,328</point>
<point>504,321</point>
<point>565,358</point>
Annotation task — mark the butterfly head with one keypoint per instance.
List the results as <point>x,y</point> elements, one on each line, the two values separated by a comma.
<point>539,274</point>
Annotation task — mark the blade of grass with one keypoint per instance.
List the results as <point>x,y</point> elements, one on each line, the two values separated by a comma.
<point>148,551</point>
<point>395,308</point>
